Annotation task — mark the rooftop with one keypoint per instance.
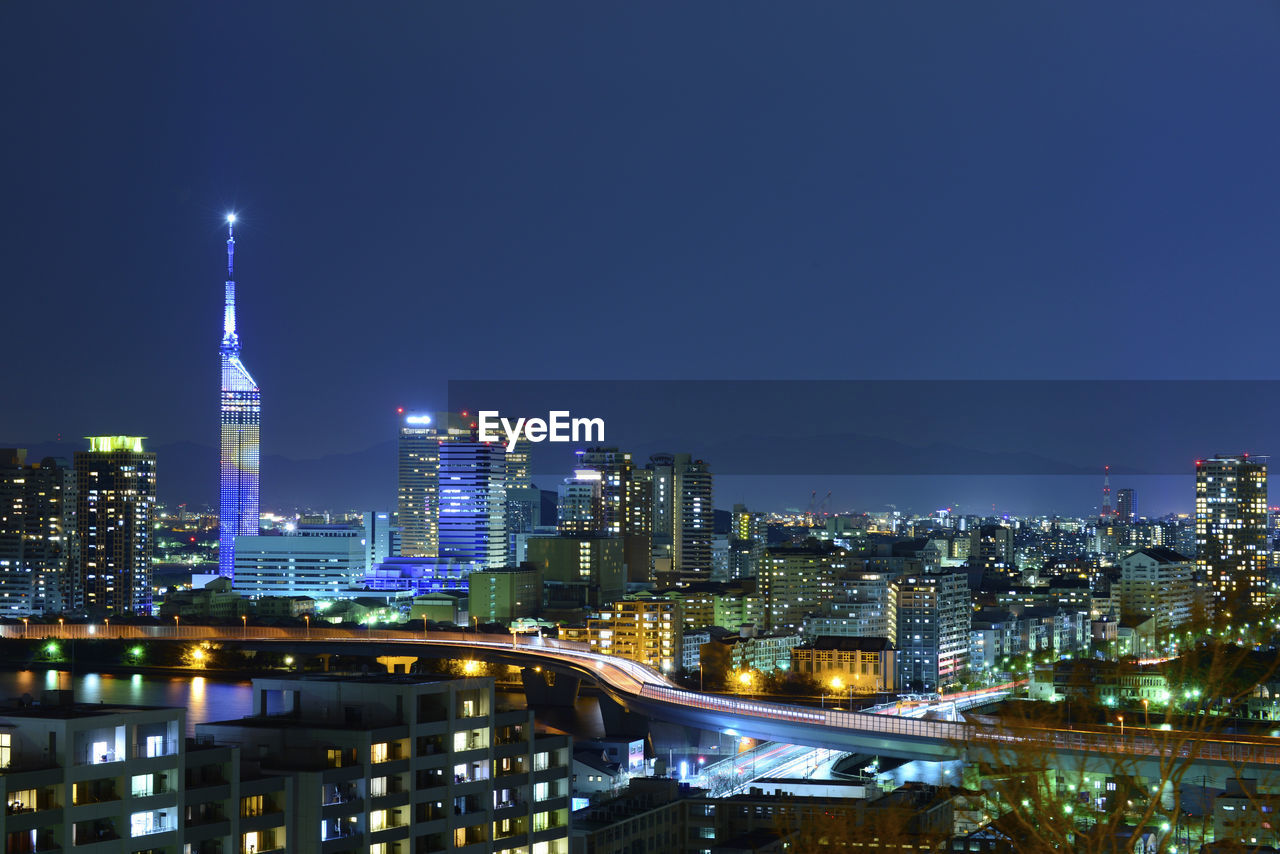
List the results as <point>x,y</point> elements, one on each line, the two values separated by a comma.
<point>840,642</point>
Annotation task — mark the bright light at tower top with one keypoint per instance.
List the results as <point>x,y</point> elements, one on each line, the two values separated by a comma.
<point>231,219</point>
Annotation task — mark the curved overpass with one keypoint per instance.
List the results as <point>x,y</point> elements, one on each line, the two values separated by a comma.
<point>642,689</point>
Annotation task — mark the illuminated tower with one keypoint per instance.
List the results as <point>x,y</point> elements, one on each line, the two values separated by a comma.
<point>1231,529</point>
<point>241,414</point>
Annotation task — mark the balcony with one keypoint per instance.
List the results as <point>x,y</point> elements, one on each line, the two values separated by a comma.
<point>338,829</point>
<point>335,793</point>
<point>156,748</point>
<point>83,794</point>
<point>98,756</point>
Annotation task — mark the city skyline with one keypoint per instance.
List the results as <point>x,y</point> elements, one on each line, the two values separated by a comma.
<point>696,426</point>
<point>985,210</point>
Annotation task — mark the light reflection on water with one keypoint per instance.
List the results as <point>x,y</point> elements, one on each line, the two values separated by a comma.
<point>204,699</point>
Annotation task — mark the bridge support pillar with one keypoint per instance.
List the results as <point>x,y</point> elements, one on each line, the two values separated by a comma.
<point>544,687</point>
<point>324,660</point>
<point>618,721</point>
<point>397,663</point>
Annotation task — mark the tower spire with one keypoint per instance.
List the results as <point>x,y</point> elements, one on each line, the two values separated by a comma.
<point>230,341</point>
<point>1107,512</point>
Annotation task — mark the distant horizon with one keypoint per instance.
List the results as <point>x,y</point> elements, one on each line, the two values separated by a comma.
<point>1067,496</point>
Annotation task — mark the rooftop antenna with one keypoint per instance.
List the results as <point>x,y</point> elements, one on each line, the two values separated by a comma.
<point>230,341</point>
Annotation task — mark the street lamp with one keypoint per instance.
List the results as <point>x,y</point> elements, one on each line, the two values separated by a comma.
<point>24,626</point>
<point>175,625</point>
<point>307,619</point>
<point>1121,725</point>
<point>837,685</point>
<point>244,624</point>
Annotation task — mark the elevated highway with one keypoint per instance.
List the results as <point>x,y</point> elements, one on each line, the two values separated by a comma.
<point>640,689</point>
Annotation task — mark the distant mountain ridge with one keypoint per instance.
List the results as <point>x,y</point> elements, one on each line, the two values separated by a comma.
<point>187,472</point>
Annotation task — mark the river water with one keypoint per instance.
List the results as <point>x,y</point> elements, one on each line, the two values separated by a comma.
<point>207,699</point>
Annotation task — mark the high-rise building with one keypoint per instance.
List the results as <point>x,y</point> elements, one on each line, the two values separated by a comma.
<point>37,533</point>
<point>933,623</point>
<point>580,504</point>
<point>241,405</point>
<point>659,474</point>
<point>380,538</point>
<point>115,509</point>
<point>991,547</point>
<point>473,502</point>
<point>524,500</point>
<point>796,580</point>
<point>626,498</point>
<point>418,480</point>
<point>692,520</point>
<point>1127,505</point>
<point>748,536</point>
<point>418,486</point>
<point>1231,529</point>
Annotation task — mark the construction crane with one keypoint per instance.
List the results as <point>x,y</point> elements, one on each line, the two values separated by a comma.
<point>818,508</point>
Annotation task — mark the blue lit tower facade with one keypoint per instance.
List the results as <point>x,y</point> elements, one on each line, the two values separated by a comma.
<point>473,502</point>
<point>241,404</point>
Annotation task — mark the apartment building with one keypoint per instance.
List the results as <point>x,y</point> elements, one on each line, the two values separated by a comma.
<point>648,630</point>
<point>105,776</point>
<point>399,765</point>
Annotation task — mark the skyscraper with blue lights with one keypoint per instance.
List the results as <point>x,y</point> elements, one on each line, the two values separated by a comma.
<point>241,415</point>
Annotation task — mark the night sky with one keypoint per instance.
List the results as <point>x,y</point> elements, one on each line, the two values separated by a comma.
<point>431,192</point>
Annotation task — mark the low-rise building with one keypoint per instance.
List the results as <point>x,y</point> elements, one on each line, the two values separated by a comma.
<point>1246,816</point>
<point>506,594</point>
<point>215,600</point>
<point>275,607</point>
<point>652,814</point>
<point>321,561</point>
<point>865,665</point>
<point>446,606</point>
<point>692,648</point>
<point>727,653</point>
<point>595,775</point>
